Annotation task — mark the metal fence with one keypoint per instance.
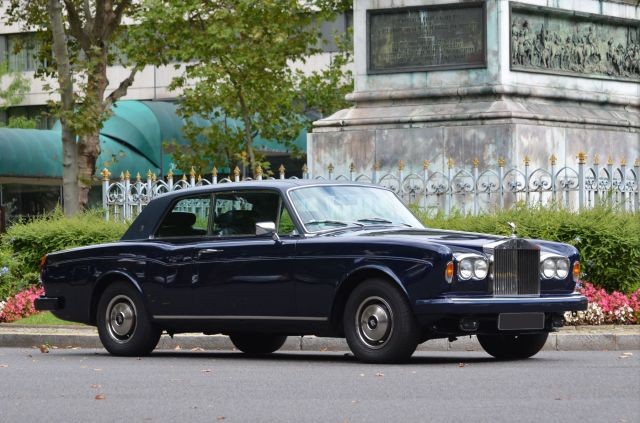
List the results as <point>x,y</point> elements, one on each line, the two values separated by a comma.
<point>469,191</point>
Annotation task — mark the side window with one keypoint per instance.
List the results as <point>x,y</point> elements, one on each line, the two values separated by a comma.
<point>236,213</point>
<point>188,217</point>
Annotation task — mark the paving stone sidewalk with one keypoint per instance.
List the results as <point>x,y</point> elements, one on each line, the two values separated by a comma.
<point>581,338</point>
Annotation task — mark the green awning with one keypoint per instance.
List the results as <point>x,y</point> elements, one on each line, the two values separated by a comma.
<point>130,140</point>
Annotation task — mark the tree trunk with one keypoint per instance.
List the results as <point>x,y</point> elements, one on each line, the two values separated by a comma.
<point>248,131</point>
<point>88,152</point>
<point>70,190</point>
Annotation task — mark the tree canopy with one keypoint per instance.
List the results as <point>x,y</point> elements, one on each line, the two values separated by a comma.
<point>79,39</point>
<point>238,59</point>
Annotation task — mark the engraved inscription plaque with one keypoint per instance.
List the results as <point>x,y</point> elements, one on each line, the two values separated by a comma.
<point>426,38</point>
<point>545,40</point>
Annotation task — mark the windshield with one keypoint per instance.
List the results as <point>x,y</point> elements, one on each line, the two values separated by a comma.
<point>335,206</point>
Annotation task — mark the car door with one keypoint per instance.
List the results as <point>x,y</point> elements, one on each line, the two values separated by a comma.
<point>241,275</point>
<point>170,260</point>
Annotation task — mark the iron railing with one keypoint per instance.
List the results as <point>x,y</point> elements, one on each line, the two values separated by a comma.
<point>470,191</point>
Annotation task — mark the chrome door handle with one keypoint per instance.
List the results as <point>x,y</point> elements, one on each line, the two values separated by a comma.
<point>208,251</point>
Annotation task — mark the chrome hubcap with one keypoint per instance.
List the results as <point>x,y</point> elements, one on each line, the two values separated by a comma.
<point>374,322</point>
<point>121,318</point>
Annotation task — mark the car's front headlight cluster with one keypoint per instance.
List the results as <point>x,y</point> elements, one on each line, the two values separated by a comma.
<point>554,267</point>
<point>472,266</point>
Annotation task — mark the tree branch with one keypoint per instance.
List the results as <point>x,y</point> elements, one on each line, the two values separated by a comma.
<point>75,26</point>
<point>117,16</point>
<point>100,21</point>
<point>122,88</point>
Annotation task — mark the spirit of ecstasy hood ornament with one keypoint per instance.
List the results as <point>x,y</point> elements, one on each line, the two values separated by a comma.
<point>513,229</point>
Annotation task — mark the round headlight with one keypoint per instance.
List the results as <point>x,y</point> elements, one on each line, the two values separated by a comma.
<point>465,269</point>
<point>562,268</point>
<point>548,268</point>
<point>480,269</point>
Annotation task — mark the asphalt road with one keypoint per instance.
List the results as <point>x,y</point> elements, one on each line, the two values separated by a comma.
<point>89,385</point>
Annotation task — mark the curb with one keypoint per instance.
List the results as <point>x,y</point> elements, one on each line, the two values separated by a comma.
<point>612,338</point>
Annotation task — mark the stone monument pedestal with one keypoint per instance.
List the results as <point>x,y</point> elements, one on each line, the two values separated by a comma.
<point>438,80</point>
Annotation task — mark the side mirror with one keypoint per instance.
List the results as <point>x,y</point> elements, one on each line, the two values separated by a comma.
<point>267,228</point>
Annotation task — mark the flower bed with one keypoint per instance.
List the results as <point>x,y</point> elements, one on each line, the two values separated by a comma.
<point>604,308</point>
<point>20,305</point>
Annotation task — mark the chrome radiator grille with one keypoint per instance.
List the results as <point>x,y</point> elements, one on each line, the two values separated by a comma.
<point>516,268</point>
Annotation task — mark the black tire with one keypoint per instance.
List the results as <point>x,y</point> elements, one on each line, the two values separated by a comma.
<point>124,325</point>
<point>513,347</point>
<point>379,324</point>
<point>257,343</point>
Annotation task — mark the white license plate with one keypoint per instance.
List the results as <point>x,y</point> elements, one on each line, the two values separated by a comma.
<point>520,321</point>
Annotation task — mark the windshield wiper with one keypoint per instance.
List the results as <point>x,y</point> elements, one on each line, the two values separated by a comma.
<point>332,222</point>
<point>374,220</point>
<point>381,220</point>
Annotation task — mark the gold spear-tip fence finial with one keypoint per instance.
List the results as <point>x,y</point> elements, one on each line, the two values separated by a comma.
<point>553,160</point>
<point>258,170</point>
<point>623,162</point>
<point>192,172</point>
<point>475,163</point>
<point>527,160</point>
<point>184,177</point>
<point>282,169</point>
<point>149,174</point>
<point>582,157</point>
<point>501,161</point>
<point>377,166</point>
<point>425,164</point>
<point>170,173</point>
<point>596,159</point>
<point>450,163</point>
<point>138,177</point>
<point>610,161</point>
<point>305,169</point>
<point>636,163</point>
<point>330,168</point>
<point>352,167</point>
<point>236,171</point>
<point>105,174</point>
<point>401,165</point>
<point>127,175</point>
<point>214,171</point>
<point>199,178</point>
<point>154,178</point>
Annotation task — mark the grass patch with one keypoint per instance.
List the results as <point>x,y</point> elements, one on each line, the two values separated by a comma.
<point>42,319</point>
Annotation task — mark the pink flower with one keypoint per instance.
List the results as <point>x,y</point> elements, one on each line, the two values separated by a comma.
<point>21,305</point>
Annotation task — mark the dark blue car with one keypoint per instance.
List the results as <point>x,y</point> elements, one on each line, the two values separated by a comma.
<point>262,260</point>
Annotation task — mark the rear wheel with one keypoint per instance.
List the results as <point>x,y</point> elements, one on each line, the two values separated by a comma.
<point>257,343</point>
<point>513,347</point>
<point>123,324</point>
<point>379,324</point>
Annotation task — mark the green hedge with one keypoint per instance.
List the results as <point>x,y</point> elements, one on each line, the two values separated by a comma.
<point>608,241</point>
<point>22,246</point>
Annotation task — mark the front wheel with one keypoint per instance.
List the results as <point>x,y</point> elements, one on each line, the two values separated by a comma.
<point>123,323</point>
<point>379,324</point>
<point>257,343</point>
<point>513,347</point>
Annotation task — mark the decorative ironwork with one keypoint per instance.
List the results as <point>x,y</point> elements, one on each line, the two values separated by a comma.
<point>468,190</point>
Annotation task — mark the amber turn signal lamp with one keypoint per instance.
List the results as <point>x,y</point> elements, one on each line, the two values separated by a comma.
<point>448,272</point>
<point>43,261</point>
<point>576,271</point>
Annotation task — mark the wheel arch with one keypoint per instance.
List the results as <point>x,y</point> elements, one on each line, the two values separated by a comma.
<point>103,282</point>
<point>354,279</point>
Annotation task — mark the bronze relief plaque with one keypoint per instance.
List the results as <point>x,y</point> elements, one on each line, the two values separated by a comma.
<point>557,41</point>
<point>451,36</point>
